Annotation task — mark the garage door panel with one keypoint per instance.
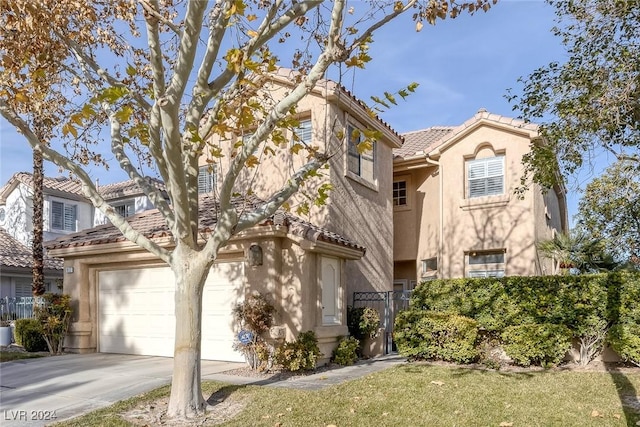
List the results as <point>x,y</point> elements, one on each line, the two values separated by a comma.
<point>136,311</point>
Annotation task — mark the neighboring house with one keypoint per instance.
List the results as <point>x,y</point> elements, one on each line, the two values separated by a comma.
<point>66,210</point>
<point>309,269</point>
<point>15,264</point>
<point>455,210</point>
<point>126,198</point>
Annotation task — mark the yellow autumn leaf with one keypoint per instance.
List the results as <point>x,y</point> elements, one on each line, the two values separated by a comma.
<point>21,96</point>
<point>252,161</point>
<point>251,17</point>
<point>419,26</point>
<point>252,33</point>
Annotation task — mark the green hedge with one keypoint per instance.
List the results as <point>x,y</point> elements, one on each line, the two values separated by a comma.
<point>625,340</point>
<point>496,304</point>
<point>436,335</point>
<point>538,344</point>
<point>29,335</point>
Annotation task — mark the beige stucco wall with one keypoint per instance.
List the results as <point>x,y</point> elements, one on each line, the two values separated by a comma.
<point>358,210</point>
<point>289,277</point>
<point>505,222</point>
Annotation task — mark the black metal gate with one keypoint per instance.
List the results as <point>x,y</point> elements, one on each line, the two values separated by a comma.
<point>388,304</point>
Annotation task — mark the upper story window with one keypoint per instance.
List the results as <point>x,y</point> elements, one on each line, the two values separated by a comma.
<point>486,264</point>
<point>485,177</point>
<point>362,164</point>
<point>304,132</point>
<point>400,193</point>
<point>63,216</point>
<point>206,179</point>
<point>125,209</point>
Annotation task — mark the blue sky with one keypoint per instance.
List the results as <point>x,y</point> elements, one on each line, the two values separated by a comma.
<point>462,65</point>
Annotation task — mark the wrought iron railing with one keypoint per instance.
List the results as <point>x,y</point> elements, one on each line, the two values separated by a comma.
<point>13,308</point>
<point>388,304</point>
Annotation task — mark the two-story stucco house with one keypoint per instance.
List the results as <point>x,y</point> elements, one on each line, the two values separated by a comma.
<point>308,267</point>
<point>456,213</point>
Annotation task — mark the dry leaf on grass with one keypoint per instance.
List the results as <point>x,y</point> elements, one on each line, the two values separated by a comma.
<point>506,424</point>
<point>437,382</point>
<point>596,414</point>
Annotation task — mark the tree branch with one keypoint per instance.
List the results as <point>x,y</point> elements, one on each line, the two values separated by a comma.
<point>88,188</point>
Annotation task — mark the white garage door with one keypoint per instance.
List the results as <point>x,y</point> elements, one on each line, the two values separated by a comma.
<point>136,311</point>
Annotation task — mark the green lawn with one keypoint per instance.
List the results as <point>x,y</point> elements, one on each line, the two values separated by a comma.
<point>423,395</point>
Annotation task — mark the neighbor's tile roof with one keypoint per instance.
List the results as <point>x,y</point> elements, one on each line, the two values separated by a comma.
<point>16,255</point>
<point>420,141</point>
<point>151,224</point>
<point>61,183</point>
<point>127,188</point>
<point>67,185</point>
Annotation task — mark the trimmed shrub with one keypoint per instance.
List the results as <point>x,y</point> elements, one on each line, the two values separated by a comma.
<point>346,353</point>
<point>299,355</point>
<point>538,344</point>
<point>55,318</point>
<point>29,334</point>
<point>363,322</point>
<point>436,335</point>
<point>625,340</point>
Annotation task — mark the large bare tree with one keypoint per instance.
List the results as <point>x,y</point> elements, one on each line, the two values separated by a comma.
<point>162,79</point>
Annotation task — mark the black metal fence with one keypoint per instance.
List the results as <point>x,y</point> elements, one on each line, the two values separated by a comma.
<point>388,304</point>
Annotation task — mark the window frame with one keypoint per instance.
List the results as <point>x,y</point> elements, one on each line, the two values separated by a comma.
<point>126,204</point>
<point>66,208</point>
<point>486,264</point>
<point>304,133</point>
<point>486,177</point>
<point>353,158</point>
<point>397,195</point>
<point>206,179</point>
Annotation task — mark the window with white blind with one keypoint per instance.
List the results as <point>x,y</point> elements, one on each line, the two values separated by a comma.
<point>304,132</point>
<point>363,163</point>
<point>206,179</point>
<point>486,263</point>
<point>485,177</point>
<point>63,216</point>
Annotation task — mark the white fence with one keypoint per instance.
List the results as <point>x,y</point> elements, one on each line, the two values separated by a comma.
<point>12,308</point>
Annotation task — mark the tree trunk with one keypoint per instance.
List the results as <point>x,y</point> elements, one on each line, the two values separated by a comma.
<point>37,286</point>
<point>186,400</point>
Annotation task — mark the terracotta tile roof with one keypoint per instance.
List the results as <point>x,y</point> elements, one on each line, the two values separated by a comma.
<point>421,141</point>
<point>336,87</point>
<point>16,255</point>
<point>127,189</point>
<point>61,184</point>
<point>151,224</point>
<point>73,187</point>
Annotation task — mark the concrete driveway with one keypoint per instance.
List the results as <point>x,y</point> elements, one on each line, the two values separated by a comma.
<point>32,391</point>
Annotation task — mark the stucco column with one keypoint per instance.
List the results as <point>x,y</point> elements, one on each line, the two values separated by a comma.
<point>77,283</point>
